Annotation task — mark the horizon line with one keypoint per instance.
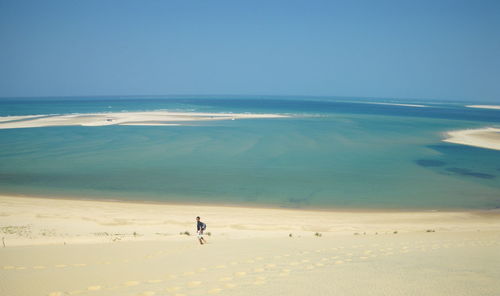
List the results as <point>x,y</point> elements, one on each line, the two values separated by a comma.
<point>240,95</point>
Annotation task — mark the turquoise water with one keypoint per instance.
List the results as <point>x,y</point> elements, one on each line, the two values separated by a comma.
<point>332,154</point>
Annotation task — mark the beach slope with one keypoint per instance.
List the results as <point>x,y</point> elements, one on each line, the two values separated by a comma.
<point>73,247</point>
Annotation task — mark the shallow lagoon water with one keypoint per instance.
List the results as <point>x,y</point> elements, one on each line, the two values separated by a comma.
<point>330,154</point>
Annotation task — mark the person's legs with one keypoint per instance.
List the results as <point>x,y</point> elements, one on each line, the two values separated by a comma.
<point>200,237</point>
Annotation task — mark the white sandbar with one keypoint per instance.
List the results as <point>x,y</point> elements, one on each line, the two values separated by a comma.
<point>396,104</point>
<point>484,106</point>
<point>488,138</point>
<point>122,118</point>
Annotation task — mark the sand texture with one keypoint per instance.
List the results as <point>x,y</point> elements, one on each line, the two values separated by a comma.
<point>488,138</point>
<point>160,118</point>
<point>71,247</point>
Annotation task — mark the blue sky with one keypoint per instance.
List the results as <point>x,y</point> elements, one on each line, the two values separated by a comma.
<point>400,49</point>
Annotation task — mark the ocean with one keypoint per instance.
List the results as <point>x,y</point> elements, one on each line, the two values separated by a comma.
<point>332,153</point>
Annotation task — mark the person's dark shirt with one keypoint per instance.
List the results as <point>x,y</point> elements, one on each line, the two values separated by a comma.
<point>199,225</point>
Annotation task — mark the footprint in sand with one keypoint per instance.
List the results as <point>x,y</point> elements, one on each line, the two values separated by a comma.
<point>39,267</point>
<point>114,288</point>
<point>131,283</point>
<point>172,289</point>
<point>285,272</point>
<point>215,290</point>
<point>260,280</point>
<point>94,288</point>
<point>79,264</point>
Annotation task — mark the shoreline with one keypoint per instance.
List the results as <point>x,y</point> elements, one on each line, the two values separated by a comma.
<point>327,209</point>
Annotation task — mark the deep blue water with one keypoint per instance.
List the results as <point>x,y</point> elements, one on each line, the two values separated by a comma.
<point>331,153</point>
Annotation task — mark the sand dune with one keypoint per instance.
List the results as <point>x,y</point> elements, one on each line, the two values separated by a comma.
<point>71,247</point>
<point>122,118</point>
<point>488,138</point>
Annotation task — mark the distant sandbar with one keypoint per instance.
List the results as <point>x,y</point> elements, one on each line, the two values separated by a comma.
<point>156,118</point>
<point>484,106</point>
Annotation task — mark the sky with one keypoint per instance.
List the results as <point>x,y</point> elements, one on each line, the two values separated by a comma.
<point>443,50</point>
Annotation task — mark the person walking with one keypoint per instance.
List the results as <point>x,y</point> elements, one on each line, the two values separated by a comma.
<point>200,226</point>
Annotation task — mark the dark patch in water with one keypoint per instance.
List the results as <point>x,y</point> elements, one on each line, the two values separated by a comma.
<point>430,162</point>
<point>467,172</point>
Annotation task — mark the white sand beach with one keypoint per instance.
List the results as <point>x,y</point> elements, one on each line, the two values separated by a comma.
<point>160,118</point>
<point>484,106</point>
<point>76,247</point>
<point>488,138</point>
